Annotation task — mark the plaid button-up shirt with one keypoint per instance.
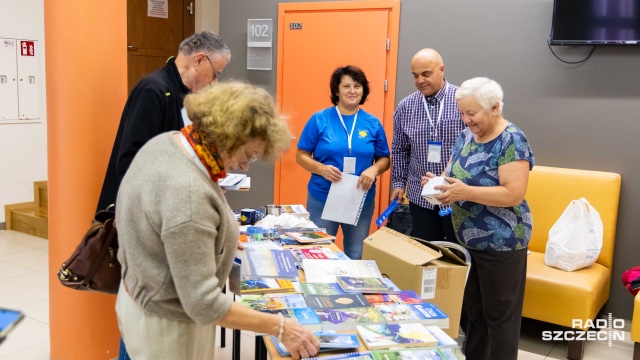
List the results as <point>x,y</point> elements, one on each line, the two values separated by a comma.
<point>412,132</point>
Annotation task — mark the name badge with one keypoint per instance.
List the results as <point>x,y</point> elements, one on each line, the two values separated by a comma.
<point>349,166</point>
<point>435,148</point>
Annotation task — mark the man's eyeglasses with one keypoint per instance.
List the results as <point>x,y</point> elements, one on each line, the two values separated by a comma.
<point>216,74</point>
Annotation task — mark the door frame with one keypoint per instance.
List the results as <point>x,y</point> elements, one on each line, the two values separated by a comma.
<point>393,7</point>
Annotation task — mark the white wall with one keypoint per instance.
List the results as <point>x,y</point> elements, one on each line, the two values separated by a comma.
<point>23,147</point>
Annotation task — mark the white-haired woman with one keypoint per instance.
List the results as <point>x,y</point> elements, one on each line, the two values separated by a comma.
<point>488,174</point>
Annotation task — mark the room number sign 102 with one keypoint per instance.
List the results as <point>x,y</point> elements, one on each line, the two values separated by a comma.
<point>258,30</point>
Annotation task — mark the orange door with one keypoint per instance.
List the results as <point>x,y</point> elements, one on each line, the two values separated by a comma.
<point>324,36</point>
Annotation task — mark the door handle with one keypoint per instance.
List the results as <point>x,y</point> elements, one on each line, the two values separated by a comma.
<point>132,47</point>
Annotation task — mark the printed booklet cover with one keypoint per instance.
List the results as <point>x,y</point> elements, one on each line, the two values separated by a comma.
<point>347,319</point>
<point>413,313</point>
<point>273,301</point>
<point>431,353</point>
<point>338,341</point>
<point>262,285</point>
<point>296,210</point>
<point>321,288</point>
<point>328,342</point>
<point>340,301</point>
<point>265,262</point>
<point>315,252</point>
<point>327,271</point>
<point>382,336</point>
<point>306,237</point>
<point>358,284</point>
<point>304,316</point>
<point>399,313</point>
<point>403,297</point>
<point>432,315</point>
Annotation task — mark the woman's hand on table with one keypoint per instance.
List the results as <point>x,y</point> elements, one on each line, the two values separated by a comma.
<point>299,340</point>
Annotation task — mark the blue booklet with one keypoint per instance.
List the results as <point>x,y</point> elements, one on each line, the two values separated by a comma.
<point>328,342</point>
<point>303,316</point>
<point>269,263</point>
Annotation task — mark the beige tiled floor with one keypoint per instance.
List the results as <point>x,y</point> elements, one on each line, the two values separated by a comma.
<point>24,286</point>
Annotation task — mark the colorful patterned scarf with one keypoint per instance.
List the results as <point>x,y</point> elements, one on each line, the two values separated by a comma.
<point>207,153</point>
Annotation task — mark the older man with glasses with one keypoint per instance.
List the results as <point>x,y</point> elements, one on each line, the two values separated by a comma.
<point>155,106</point>
<point>155,103</point>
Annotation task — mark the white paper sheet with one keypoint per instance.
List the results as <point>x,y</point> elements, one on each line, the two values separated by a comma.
<point>344,202</point>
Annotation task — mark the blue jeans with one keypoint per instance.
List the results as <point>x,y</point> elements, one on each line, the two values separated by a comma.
<point>122,353</point>
<point>353,235</point>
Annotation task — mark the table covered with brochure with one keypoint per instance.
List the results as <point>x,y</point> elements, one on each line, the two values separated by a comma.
<point>355,312</point>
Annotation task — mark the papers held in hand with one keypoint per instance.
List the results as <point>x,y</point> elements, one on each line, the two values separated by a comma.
<point>235,182</point>
<point>344,202</point>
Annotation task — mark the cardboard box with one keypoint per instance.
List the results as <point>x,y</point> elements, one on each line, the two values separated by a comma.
<point>428,191</point>
<point>435,273</point>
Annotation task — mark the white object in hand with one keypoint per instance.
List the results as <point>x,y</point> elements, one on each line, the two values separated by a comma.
<point>428,191</point>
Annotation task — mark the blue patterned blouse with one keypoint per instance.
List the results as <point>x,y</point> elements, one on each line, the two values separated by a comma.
<point>485,227</point>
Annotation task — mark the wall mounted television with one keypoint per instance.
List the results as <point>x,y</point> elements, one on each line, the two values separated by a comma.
<point>595,22</point>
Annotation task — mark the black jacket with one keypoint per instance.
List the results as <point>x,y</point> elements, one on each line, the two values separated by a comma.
<point>153,107</point>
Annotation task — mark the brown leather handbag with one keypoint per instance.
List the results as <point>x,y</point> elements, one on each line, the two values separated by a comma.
<point>94,265</point>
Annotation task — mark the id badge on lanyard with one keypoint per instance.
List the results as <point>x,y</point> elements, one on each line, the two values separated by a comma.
<point>349,164</point>
<point>435,151</point>
<point>435,147</point>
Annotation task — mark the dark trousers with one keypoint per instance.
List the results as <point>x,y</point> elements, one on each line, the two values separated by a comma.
<point>429,225</point>
<point>493,300</point>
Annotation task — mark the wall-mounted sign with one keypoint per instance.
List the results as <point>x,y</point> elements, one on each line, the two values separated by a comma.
<point>27,48</point>
<point>259,44</point>
<point>158,8</point>
<point>295,26</point>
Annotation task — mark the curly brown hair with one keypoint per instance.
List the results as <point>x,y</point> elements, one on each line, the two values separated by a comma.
<point>231,113</point>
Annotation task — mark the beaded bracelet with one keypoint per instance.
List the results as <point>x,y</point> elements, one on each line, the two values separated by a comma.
<point>281,327</point>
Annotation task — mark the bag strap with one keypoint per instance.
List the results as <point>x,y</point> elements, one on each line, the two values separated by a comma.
<point>103,251</point>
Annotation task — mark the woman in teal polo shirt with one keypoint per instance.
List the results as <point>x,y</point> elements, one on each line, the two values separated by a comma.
<point>344,138</point>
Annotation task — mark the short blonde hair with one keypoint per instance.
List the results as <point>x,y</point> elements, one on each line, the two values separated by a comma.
<point>229,114</point>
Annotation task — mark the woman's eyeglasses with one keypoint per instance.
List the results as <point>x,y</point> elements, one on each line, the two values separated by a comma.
<point>248,159</point>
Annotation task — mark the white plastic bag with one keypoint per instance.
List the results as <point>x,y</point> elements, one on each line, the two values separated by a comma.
<point>575,240</point>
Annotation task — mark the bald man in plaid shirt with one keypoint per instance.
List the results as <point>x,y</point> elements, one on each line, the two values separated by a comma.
<point>426,125</point>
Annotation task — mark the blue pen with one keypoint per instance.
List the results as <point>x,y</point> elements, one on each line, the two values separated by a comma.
<point>385,215</point>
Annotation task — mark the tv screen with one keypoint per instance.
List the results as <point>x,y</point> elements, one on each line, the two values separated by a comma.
<point>595,22</point>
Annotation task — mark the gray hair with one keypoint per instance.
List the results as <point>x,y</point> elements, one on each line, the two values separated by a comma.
<point>205,41</point>
<point>487,92</point>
